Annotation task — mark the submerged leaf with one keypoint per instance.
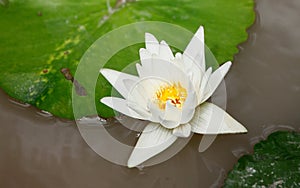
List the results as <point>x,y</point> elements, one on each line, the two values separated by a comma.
<point>274,163</point>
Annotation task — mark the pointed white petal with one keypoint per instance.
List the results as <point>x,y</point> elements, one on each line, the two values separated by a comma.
<point>152,141</point>
<point>165,51</point>
<point>211,119</point>
<point>152,44</point>
<point>204,84</point>
<point>116,79</point>
<point>145,56</point>
<point>194,58</point>
<point>183,130</point>
<point>178,57</point>
<point>195,51</point>
<point>121,105</point>
<point>178,61</point>
<point>215,79</point>
<point>172,116</point>
<point>142,70</point>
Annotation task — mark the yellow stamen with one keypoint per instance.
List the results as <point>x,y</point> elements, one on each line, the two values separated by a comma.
<point>174,93</point>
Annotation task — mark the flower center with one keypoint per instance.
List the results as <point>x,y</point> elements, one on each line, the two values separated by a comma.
<point>174,93</point>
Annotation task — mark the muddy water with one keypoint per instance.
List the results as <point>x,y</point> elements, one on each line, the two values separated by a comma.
<point>38,150</point>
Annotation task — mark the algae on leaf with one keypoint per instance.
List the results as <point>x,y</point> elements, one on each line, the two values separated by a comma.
<point>39,38</point>
<point>274,163</point>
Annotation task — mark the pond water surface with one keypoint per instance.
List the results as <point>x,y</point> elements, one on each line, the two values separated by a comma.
<point>38,150</point>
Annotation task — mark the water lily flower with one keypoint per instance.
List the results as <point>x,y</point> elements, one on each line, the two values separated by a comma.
<point>171,93</point>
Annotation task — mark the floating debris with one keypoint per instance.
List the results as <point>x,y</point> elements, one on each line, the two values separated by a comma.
<point>39,13</point>
<point>66,72</point>
<point>66,52</point>
<point>80,90</point>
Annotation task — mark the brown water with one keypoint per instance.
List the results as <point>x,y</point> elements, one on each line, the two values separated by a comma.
<point>38,150</point>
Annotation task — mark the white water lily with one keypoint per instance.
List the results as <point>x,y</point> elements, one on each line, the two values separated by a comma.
<point>170,92</point>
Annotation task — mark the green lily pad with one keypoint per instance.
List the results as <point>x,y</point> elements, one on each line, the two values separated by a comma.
<point>274,163</point>
<point>40,38</point>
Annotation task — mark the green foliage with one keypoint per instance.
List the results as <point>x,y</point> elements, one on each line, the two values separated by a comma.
<point>38,38</point>
<point>274,163</point>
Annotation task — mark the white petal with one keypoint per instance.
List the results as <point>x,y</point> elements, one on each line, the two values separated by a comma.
<point>194,72</point>
<point>178,61</point>
<point>194,57</point>
<point>144,90</point>
<point>142,70</point>
<point>183,130</point>
<point>121,105</point>
<point>187,115</point>
<point>139,109</point>
<point>178,57</point>
<point>156,113</point>
<point>152,44</point>
<point>195,49</point>
<point>204,84</point>
<point>152,141</point>
<point>145,56</point>
<point>191,100</point>
<point>172,116</point>
<point>116,79</point>
<point>169,124</point>
<point>215,79</point>
<point>211,119</point>
<point>129,83</point>
<point>189,106</point>
<point>164,70</point>
<point>165,51</point>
